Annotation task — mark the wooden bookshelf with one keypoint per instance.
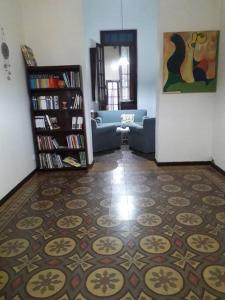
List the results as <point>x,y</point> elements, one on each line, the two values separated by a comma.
<point>57,115</point>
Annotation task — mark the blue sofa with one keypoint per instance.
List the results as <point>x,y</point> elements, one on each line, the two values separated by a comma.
<point>105,137</point>
<point>142,138</point>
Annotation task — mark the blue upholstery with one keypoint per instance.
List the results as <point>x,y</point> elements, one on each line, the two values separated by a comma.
<point>142,138</point>
<point>104,137</point>
<point>115,116</point>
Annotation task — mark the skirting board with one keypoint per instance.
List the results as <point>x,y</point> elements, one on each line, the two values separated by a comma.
<point>191,163</point>
<point>183,163</point>
<point>221,171</point>
<point>7,196</point>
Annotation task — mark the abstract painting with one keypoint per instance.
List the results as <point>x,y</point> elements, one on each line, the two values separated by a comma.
<point>190,61</point>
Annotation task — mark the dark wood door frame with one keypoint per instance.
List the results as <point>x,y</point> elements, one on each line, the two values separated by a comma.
<point>132,43</point>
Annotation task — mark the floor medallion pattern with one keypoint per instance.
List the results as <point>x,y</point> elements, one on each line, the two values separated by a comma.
<point>124,230</point>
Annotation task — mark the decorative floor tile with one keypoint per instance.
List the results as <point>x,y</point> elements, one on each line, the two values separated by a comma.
<point>124,230</point>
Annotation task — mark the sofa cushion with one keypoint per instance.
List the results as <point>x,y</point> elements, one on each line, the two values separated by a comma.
<point>115,124</point>
<point>127,118</point>
<point>136,125</point>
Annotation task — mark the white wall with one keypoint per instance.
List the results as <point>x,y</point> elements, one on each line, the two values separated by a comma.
<point>54,30</point>
<point>185,121</point>
<point>138,14</point>
<point>219,116</point>
<point>16,146</point>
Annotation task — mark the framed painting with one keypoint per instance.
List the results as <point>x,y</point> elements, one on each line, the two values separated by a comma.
<point>190,61</point>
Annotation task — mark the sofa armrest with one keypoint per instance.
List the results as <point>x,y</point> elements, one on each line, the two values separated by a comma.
<point>98,120</point>
<point>137,130</point>
<point>148,121</point>
<point>145,117</point>
<point>149,125</point>
<point>93,125</point>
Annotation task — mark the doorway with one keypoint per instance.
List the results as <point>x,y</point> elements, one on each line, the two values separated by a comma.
<point>115,59</point>
<point>113,94</point>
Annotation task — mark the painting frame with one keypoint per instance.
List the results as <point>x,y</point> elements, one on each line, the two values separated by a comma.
<point>190,61</point>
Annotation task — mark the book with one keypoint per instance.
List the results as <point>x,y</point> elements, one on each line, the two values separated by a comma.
<point>49,122</point>
<point>28,56</point>
<point>40,122</point>
<point>65,79</point>
<point>50,161</point>
<point>45,122</point>
<point>56,102</point>
<point>75,141</point>
<point>47,143</point>
<point>79,124</point>
<point>71,161</point>
<point>45,102</point>
<point>83,162</point>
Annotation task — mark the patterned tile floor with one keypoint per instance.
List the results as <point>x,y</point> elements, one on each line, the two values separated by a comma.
<point>124,230</point>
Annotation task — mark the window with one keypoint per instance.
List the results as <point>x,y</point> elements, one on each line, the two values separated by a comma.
<point>113,95</point>
<point>125,73</point>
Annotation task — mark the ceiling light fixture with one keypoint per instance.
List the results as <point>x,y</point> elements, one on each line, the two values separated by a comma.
<point>123,60</point>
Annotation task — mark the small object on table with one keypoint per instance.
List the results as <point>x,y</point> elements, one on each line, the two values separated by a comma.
<point>93,114</point>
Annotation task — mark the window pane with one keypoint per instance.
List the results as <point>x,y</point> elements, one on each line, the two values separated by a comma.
<point>115,85</point>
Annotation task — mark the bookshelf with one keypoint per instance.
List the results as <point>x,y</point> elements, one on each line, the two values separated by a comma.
<point>57,115</point>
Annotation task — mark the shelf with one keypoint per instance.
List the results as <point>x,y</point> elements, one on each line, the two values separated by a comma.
<point>64,169</point>
<point>39,69</point>
<point>61,150</point>
<point>55,90</point>
<point>75,111</point>
<point>75,131</point>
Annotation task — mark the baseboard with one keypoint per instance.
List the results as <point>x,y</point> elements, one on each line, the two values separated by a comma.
<point>221,171</point>
<point>90,166</point>
<point>183,163</point>
<point>7,196</point>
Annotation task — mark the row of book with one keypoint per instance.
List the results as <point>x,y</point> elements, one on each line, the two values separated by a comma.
<point>46,123</point>
<point>75,141</point>
<point>47,143</point>
<point>45,102</point>
<point>82,157</point>
<point>72,79</point>
<point>52,102</point>
<point>76,102</point>
<point>55,161</point>
<point>50,161</point>
<point>77,123</point>
<point>48,81</point>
